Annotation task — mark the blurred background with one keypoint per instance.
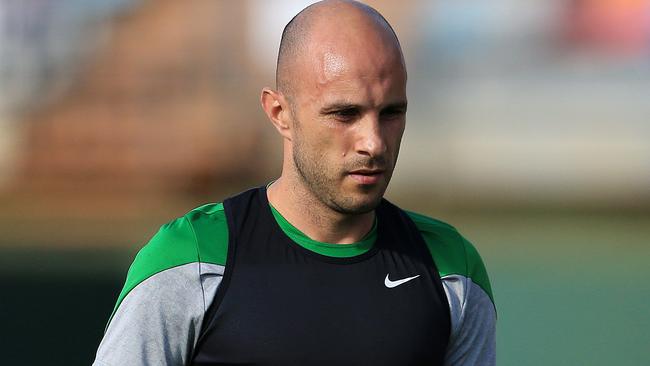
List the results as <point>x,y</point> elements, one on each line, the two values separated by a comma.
<point>528,129</point>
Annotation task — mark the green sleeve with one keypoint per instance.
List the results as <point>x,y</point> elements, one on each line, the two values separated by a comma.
<point>173,245</point>
<point>199,236</point>
<point>451,252</point>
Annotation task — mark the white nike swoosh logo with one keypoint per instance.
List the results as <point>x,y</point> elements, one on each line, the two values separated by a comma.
<point>391,284</point>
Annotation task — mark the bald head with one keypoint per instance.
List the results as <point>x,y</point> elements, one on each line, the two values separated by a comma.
<point>326,31</point>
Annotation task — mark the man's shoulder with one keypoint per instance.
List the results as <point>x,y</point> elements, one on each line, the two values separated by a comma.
<point>446,245</point>
<point>201,235</point>
<point>212,211</point>
<point>452,253</point>
<point>210,229</point>
<point>198,238</point>
<point>428,224</point>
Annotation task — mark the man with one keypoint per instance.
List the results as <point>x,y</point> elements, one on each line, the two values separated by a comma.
<point>317,268</point>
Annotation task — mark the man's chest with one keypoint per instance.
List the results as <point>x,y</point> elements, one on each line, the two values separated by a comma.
<point>384,310</point>
<point>281,304</point>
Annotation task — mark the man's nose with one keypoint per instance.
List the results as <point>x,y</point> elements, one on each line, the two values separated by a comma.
<point>370,140</point>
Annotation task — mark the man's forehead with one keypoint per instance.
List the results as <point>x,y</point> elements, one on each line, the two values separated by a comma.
<point>351,72</point>
<point>338,38</point>
<point>333,64</point>
<point>362,92</point>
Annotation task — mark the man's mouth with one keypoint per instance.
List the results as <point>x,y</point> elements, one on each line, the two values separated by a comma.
<point>366,176</point>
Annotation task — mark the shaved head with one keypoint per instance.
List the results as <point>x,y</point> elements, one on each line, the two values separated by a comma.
<point>328,20</point>
<point>340,105</point>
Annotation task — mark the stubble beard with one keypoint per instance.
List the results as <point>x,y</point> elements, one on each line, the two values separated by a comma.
<point>324,184</point>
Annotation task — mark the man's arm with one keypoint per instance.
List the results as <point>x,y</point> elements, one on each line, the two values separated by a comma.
<point>473,315</point>
<point>469,293</point>
<point>158,316</point>
<point>473,322</point>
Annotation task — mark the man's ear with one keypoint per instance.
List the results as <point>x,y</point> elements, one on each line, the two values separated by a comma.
<point>276,107</point>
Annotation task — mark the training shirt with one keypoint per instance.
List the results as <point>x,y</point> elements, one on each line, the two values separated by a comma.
<point>167,307</point>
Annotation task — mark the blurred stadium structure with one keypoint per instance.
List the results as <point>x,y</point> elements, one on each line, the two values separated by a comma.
<point>125,113</point>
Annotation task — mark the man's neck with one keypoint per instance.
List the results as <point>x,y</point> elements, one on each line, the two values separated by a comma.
<point>315,219</point>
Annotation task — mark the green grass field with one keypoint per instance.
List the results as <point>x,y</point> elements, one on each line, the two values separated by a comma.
<point>570,289</point>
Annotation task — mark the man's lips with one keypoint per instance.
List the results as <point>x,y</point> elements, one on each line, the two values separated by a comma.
<point>366,176</point>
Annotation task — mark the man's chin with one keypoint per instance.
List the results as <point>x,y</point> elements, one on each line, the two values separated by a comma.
<point>357,205</point>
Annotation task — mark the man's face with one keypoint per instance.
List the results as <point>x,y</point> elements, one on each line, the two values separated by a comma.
<point>349,118</point>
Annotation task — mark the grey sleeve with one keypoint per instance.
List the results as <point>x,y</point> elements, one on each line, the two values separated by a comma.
<point>159,321</point>
<point>473,323</point>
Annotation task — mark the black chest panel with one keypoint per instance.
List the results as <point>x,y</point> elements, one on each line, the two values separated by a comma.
<point>281,304</point>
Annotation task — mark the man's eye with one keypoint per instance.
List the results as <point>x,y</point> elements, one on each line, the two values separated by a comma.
<point>392,113</point>
<point>346,114</point>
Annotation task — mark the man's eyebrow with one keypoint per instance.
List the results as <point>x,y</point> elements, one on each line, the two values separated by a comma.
<point>397,105</point>
<point>338,106</point>
<point>342,106</point>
